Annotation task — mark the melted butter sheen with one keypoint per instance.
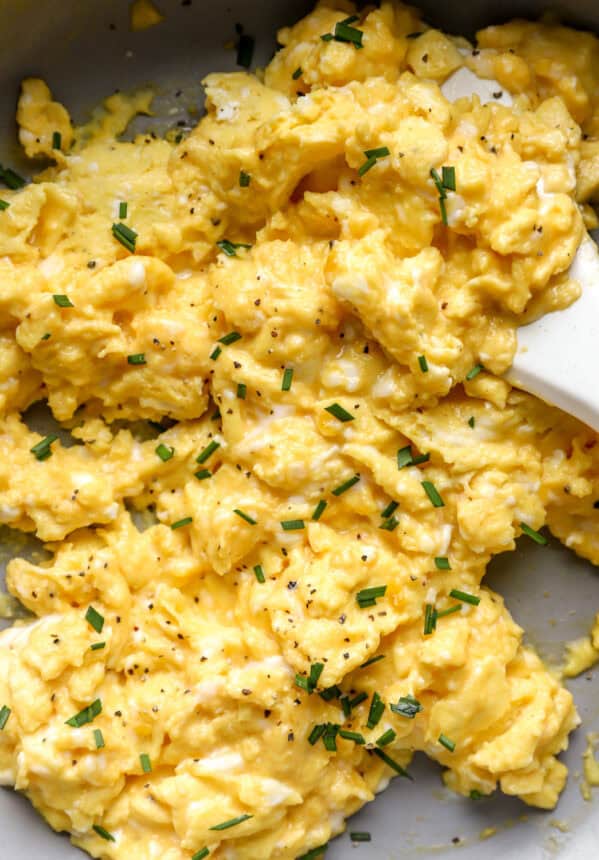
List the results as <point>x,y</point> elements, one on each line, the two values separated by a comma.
<point>381,311</point>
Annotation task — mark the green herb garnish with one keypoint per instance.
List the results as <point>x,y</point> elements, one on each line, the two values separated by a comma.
<point>451,611</point>
<point>215,353</point>
<point>316,734</point>
<point>56,140</point>
<point>97,646</point>
<point>87,715</point>
<point>433,494</point>
<point>386,738</point>
<point>292,525</point>
<point>230,338</point>
<point>339,412</point>
<point>11,178</point>
<point>43,449</point>
<point>372,660</point>
<point>329,737</point>
<point>137,359</point>
<point>447,743</point>
<point>471,421</point>
<point>104,834</point>
<point>4,204</point>
<point>442,563</point>
<point>369,596</point>
<point>259,573</point>
<point>405,457</point>
<point>392,764</point>
<point>250,520</point>
<point>389,525</point>
<point>201,854</point>
<point>231,248</point>
<point>5,713</point>
<point>423,363</point>
<point>430,619</point>
<point>319,510</point>
<point>203,474</point>
<point>377,708</point>
<point>310,681</point>
<point>357,700</point>
<point>389,510</point>
<point>533,534</point>
<point>232,822</point>
<point>314,853</point>
<point>63,301</point>
<point>347,485</point>
<point>472,374</point>
<point>165,452</point>
<point>372,156</point>
<point>186,521</point>
<point>360,836</point>
<point>244,179</point>
<point>125,235</point>
<point>146,764</point>
<point>99,739</point>
<point>463,595</point>
<point>356,737</point>
<point>241,390</point>
<point>407,706</point>
<point>210,448</point>
<point>94,619</point>
<point>287,379</point>
<point>298,73</point>
<point>245,50</point>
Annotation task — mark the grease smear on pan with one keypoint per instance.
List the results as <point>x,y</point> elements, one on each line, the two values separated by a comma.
<point>284,335</point>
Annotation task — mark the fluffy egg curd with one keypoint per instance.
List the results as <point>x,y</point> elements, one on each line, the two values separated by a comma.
<point>280,341</point>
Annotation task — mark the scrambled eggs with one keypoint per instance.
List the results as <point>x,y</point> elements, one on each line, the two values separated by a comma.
<point>283,337</point>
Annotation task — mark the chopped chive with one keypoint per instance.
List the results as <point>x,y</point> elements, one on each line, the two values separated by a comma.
<point>42,450</point>
<point>259,573</point>
<point>351,20</point>
<point>123,209</point>
<point>472,374</point>
<point>389,525</point>
<point>97,646</point>
<point>316,734</point>
<point>94,619</point>
<point>11,178</point>
<point>356,737</point>
<point>372,660</point>
<point>465,596</point>
<point>366,166</point>
<point>104,834</point>
<point>475,794</point>
<point>203,474</point>
<point>314,853</point>
<point>448,178</point>
<point>165,452</point>
<point>146,764</point>
<point>423,363</point>
<point>287,379</point>
<point>328,37</point>
<point>389,510</point>
<point>186,521</point>
<point>447,743</point>
<point>533,534</point>
<point>230,338</point>
<point>380,152</point>
<point>472,421</point>
<point>215,353</point>
<point>360,836</point>
<point>438,182</point>
<point>344,32</point>
<point>368,596</point>
<point>443,210</point>
<point>292,525</point>
<point>357,700</point>
<point>5,713</point>
<point>405,457</point>
<point>330,693</point>
<point>250,520</point>
<point>407,706</point>
<point>232,822</point>
<point>392,764</point>
<point>316,670</point>
<point>87,715</point>
<point>4,204</point>
<point>46,336</point>
<point>125,235</point>
<point>298,73</point>
<point>386,738</point>
<point>201,854</point>
<point>241,390</point>
<point>451,611</point>
<point>99,739</point>
<point>347,485</point>
<point>430,619</point>
<point>433,494</point>
<point>377,708</point>
<point>319,510</point>
<point>329,737</point>
<point>230,248</point>
<point>244,179</point>
<point>137,359</point>
<point>56,140</point>
<point>442,563</point>
<point>63,301</point>
<point>210,448</point>
<point>339,412</point>
<point>346,706</point>
<point>245,50</point>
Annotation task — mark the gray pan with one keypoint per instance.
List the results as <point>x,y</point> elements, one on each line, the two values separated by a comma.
<point>85,50</point>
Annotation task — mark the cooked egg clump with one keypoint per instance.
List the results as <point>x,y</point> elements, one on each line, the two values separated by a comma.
<point>277,348</point>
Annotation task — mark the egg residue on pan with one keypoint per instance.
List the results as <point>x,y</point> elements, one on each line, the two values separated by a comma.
<point>284,336</point>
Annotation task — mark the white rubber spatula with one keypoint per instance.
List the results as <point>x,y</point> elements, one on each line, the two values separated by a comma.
<point>557,358</point>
